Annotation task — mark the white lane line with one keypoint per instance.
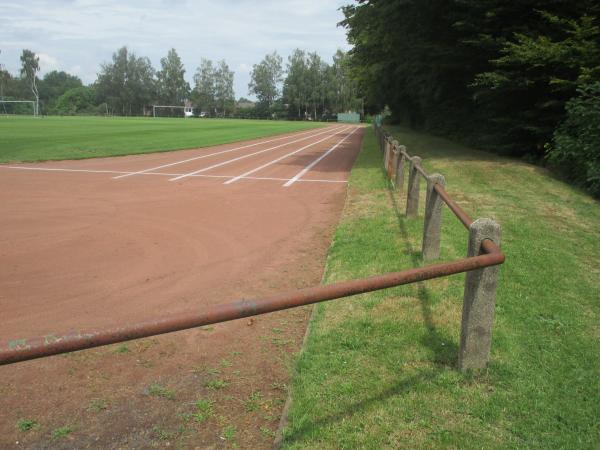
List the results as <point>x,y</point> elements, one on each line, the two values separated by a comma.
<point>245,174</point>
<point>139,172</point>
<point>315,162</point>
<point>214,166</point>
<point>162,174</point>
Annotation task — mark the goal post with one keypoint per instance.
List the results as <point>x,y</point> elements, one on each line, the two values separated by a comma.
<point>182,111</point>
<point>17,107</point>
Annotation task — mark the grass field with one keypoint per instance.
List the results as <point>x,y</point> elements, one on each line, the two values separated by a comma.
<point>54,138</point>
<point>379,370</point>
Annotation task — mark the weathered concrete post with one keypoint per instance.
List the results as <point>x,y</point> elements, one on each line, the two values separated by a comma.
<point>399,181</point>
<point>433,218</point>
<point>394,162</point>
<point>479,301</point>
<point>412,196</point>
<point>386,153</point>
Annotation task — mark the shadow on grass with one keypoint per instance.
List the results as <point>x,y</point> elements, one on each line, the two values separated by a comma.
<point>358,407</point>
<point>444,349</point>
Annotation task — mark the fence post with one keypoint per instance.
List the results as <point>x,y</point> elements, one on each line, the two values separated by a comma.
<point>479,301</point>
<point>399,182</point>
<point>412,196</point>
<point>394,162</point>
<point>433,218</point>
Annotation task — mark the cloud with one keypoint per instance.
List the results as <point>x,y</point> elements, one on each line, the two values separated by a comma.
<point>47,63</point>
<point>85,33</point>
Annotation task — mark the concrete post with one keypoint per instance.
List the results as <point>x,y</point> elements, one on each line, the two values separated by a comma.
<point>433,218</point>
<point>412,196</point>
<point>399,182</point>
<point>479,301</point>
<point>394,162</point>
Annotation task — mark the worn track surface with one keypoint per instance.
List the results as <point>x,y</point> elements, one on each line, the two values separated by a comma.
<point>95,243</point>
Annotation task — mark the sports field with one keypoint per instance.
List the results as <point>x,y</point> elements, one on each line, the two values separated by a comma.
<point>53,138</point>
<point>106,242</point>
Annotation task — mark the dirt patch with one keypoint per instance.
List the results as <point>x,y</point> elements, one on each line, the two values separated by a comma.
<point>86,251</point>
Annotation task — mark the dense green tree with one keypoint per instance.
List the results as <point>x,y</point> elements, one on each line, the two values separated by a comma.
<point>127,84</point>
<point>203,94</point>
<point>224,94</point>
<point>78,100</point>
<point>491,71</point>
<point>575,147</point>
<point>172,87</point>
<point>53,85</point>
<point>265,79</point>
<point>295,86</point>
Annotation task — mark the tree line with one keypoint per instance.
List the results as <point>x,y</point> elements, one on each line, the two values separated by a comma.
<point>519,78</point>
<point>305,88</point>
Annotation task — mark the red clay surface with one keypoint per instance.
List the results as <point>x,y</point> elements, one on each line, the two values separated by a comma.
<point>93,244</point>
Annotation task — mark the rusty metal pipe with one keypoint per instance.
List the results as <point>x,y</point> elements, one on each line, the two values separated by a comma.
<point>422,171</point>
<point>26,349</point>
<point>457,210</point>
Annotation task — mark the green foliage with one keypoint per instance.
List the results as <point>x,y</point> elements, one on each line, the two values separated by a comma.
<point>127,84</point>
<point>575,147</point>
<point>61,432</point>
<point>26,424</point>
<point>171,84</point>
<point>491,72</point>
<point>317,90</point>
<point>265,79</point>
<point>157,390</point>
<point>79,100</point>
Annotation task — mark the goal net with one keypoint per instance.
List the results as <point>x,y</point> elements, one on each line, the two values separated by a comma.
<point>172,111</point>
<point>17,108</point>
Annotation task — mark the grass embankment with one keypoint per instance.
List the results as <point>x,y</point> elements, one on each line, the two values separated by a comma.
<point>54,138</point>
<point>379,370</point>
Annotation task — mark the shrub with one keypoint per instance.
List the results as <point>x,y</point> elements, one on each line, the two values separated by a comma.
<point>575,147</point>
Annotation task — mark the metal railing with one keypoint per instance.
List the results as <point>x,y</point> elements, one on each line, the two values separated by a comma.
<point>481,266</point>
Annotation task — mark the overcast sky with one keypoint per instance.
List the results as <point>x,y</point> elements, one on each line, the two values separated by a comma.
<point>78,35</point>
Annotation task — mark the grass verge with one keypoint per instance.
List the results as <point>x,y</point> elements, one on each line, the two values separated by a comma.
<point>55,138</point>
<point>379,370</point>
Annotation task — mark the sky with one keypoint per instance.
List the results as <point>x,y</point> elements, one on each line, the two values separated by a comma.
<point>78,35</point>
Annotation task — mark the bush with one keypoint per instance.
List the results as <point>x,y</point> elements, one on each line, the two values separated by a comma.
<point>575,147</point>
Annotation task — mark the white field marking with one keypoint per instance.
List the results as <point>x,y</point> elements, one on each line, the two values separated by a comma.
<point>316,161</point>
<point>140,172</point>
<point>248,155</point>
<point>211,154</point>
<point>245,174</point>
<point>162,174</point>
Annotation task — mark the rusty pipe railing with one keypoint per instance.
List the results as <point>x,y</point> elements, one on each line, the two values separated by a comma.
<point>26,349</point>
<point>484,236</point>
<point>484,255</point>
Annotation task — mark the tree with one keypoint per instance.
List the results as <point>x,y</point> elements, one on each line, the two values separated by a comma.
<point>575,144</point>
<point>295,86</point>
<point>224,94</point>
<point>266,78</point>
<point>127,84</point>
<point>54,84</point>
<point>203,94</point>
<point>172,87</point>
<point>77,100</point>
<point>30,66</point>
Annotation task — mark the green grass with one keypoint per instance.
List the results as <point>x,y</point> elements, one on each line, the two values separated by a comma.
<point>158,390</point>
<point>55,138</point>
<point>26,424</point>
<point>379,370</point>
<point>61,432</point>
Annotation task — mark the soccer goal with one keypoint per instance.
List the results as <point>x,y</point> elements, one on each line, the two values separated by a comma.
<point>172,111</point>
<point>18,108</point>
